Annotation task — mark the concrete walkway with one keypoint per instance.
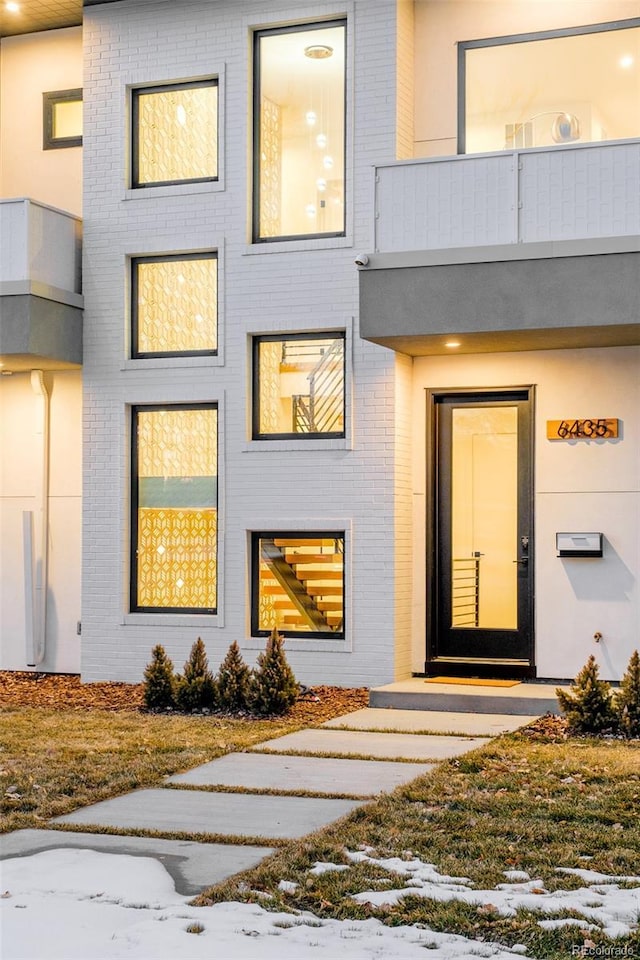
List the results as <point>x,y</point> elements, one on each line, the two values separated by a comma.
<point>246,804</point>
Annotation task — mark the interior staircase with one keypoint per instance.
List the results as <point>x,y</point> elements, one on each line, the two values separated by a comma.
<point>305,578</point>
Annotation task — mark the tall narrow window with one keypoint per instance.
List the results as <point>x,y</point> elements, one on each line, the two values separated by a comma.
<point>174,305</point>
<point>175,133</point>
<point>299,131</point>
<point>298,584</point>
<point>174,508</point>
<point>299,386</point>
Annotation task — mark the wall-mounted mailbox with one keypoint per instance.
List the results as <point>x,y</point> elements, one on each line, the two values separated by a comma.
<point>579,544</point>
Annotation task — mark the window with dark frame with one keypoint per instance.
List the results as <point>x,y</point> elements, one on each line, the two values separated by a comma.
<point>174,305</point>
<point>62,119</point>
<point>299,386</point>
<point>175,133</point>
<point>298,584</point>
<point>299,114</point>
<point>174,508</point>
<point>549,88</point>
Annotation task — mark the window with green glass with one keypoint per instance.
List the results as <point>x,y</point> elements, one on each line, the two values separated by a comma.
<point>174,508</point>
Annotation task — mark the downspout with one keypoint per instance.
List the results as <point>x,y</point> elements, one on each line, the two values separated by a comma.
<point>36,585</point>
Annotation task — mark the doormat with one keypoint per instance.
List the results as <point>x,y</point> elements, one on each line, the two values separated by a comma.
<point>474,681</point>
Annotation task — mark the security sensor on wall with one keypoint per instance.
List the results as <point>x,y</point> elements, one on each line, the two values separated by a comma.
<point>361,260</point>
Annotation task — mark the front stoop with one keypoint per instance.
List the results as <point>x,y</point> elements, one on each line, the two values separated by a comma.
<point>524,699</point>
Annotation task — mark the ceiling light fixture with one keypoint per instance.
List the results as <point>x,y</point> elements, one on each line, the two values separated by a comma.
<point>452,344</point>
<point>626,61</point>
<point>12,7</point>
<point>318,51</point>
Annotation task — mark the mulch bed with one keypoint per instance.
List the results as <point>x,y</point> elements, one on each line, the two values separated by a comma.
<point>65,691</point>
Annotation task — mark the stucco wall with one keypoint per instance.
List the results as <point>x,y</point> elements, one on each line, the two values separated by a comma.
<point>19,440</point>
<point>579,486</point>
<point>31,65</point>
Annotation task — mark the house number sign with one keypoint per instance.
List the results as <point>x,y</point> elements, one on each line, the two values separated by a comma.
<point>597,428</point>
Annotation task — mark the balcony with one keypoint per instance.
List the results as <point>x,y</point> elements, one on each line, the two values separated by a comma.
<point>577,192</point>
<point>40,286</point>
<point>521,250</point>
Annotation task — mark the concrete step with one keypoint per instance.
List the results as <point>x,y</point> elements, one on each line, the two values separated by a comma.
<point>523,699</point>
<point>430,721</point>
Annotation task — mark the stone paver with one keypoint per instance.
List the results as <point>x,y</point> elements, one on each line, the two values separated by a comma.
<point>193,866</point>
<point>197,811</point>
<point>409,746</point>
<point>411,721</point>
<point>360,778</point>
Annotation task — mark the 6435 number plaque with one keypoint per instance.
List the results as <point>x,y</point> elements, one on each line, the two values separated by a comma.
<point>596,428</point>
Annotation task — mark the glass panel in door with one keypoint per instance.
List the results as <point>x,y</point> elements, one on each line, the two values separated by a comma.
<point>484,517</point>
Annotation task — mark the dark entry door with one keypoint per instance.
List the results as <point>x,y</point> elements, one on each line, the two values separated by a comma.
<point>482,560</point>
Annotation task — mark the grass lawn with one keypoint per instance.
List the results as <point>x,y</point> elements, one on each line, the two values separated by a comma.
<point>525,802</point>
<point>520,803</point>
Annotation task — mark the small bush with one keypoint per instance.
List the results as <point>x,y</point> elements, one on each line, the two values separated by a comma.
<point>627,699</point>
<point>275,689</point>
<point>195,689</point>
<point>159,681</point>
<point>589,706</point>
<point>233,682</point>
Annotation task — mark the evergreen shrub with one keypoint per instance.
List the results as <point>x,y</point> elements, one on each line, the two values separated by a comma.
<point>159,681</point>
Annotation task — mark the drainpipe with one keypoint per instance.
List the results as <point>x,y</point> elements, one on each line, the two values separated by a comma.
<point>36,560</point>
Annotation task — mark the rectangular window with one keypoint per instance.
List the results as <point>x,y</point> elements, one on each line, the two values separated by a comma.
<point>175,133</point>
<point>61,119</point>
<point>174,508</point>
<point>298,584</point>
<point>577,85</point>
<point>174,305</point>
<point>299,131</point>
<point>299,386</point>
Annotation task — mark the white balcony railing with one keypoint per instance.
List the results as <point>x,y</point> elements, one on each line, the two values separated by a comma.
<point>40,250</point>
<point>580,191</point>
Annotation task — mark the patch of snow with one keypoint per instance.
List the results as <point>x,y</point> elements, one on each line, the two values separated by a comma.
<point>566,922</point>
<point>591,876</point>
<point>615,910</point>
<point>319,868</point>
<point>287,886</point>
<point>85,905</point>
<point>516,876</point>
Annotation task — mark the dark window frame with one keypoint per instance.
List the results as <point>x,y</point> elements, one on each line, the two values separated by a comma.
<point>155,354</point>
<point>256,536</point>
<point>255,146</point>
<point>255,381</point>
<point>136,93</point>
<point>134,607</point>
<point>465,45</point>
<point>49,101</point>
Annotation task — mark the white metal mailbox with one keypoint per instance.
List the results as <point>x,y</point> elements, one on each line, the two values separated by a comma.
<point>579,544</point>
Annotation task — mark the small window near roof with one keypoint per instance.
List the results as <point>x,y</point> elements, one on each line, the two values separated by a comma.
<point>62,119</point>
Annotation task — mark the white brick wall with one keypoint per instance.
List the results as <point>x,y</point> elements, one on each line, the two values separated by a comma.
<point>285,286</point>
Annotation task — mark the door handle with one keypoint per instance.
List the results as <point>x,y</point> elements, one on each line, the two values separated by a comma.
<point>523,560</point>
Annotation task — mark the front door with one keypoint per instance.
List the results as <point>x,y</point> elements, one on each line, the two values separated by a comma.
<point>481,571</point>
